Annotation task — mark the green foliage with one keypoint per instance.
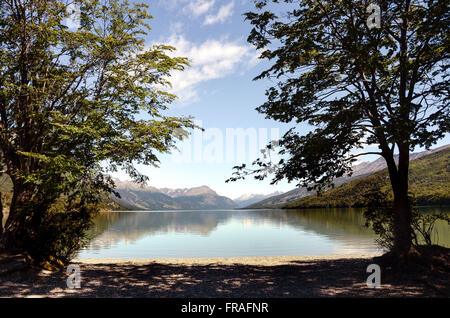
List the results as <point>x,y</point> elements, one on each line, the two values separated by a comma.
<point>60,234</point>
<point>345,86</point>
<point>379,214</point>
<point>86,89</point>
<point>429,182</point>
<point>350,86</point>
<point>424,225</point>
<point>77,104</point>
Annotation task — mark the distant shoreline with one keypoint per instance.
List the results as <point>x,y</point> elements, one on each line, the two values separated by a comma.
<point>269,208</point>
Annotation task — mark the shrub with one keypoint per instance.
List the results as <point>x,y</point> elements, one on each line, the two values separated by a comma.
<point>423,226</point>
<point>379,215</point>
<point>60,234</point>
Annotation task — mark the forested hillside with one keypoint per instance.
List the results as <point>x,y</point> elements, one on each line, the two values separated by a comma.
<point>429,182</point>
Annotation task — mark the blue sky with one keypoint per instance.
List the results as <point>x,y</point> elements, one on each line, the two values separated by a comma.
<point>217,89</point>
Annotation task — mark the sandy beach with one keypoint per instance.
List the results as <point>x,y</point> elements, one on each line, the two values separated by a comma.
<point>253,277</point>
<point>201,261</point>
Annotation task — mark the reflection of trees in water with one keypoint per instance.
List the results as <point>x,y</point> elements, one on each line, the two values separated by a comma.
<point>339,223</point>
<point>333,223</point>
<point>336,224</point>
<point>441,233</point>
<point>130,226</point>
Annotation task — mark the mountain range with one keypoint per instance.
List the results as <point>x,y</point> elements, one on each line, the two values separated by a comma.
<point>249,199</point>
<point>136,197</point>
<point>366,168</point>
<point>426,178</point>
<point>361,170</point>
<point>429,184</point>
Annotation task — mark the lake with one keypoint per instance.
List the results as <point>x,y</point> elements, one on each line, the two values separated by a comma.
<point>235,233</point>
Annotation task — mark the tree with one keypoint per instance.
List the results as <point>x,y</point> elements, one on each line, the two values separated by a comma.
<point>77,101</point>
<point>356,86</point>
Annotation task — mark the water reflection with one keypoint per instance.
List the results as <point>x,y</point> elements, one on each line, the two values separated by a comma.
<point>234,233</point>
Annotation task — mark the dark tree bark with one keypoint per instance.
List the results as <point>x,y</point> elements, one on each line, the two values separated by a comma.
<point>401,206</point>
<point>402,222</point>
<point>22,194</point>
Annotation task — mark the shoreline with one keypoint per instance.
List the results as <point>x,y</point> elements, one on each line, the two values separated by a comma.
<point>337,275</point>
<point>243,260</point>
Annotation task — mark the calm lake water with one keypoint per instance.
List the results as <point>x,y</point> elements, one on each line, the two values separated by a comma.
<point>234,233</point>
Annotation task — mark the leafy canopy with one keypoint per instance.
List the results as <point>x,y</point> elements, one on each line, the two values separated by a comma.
<point>354,86</point>
<point>76,102</point>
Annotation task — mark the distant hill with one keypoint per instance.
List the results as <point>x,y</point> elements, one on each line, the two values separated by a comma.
<point>366,168</point>
<point>278,201</point>
<point>429,181</point>
<point>361,170</point>
<point>188,192</point>
<point>248,199</point>
<point>136,197</point>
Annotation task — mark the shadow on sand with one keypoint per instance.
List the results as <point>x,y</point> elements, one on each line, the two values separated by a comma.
<point>317,278</point>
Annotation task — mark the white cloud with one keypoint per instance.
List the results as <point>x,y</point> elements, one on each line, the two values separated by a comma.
<point>212,59</point>
<point>199,7</point>
<point>222,15</point>
<point>176,27</point>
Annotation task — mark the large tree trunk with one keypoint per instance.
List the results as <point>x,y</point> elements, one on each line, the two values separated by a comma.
<point>12,236</point>
<point>402,205</point>
<point>402,221</point>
